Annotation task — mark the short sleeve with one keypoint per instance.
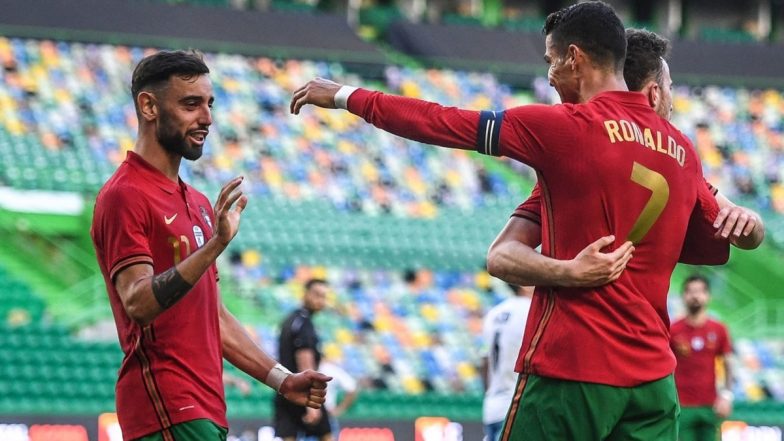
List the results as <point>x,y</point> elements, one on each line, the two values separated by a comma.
<point>303,334</point>
<point>531,209</point>
<point>122,230</point>
<point>701,246</point>
<point>713,190</point>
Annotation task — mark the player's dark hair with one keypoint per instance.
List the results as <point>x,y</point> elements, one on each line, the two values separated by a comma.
<point>644,53</point>
<point>313,282</point>
<point>592,26</point>
<point>409,275</point>
<point>696,278</point>
<point>156,69</point>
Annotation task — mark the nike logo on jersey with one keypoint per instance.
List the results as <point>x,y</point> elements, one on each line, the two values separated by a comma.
<point>169,220</point>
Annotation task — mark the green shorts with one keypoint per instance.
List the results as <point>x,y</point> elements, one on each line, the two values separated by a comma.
<point>698,424</point>
<point>548,409</point>
<point>194,430</point>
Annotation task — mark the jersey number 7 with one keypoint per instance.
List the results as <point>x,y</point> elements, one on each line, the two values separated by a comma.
<point>660,193</point>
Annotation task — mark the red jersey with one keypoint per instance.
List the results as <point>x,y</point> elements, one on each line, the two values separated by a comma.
<point>172,369</point>
<point>696,350</point>
<point>609,166</point>
<point>531,208</point>
<point>700,246</point>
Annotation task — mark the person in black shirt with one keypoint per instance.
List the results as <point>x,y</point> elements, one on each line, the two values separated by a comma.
<point>298,350</point>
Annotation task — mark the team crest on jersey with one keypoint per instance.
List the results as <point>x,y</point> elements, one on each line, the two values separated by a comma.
<point>198,235</point>
<point>712,340</point>
<point>697,343</point>
<point>206,216</point>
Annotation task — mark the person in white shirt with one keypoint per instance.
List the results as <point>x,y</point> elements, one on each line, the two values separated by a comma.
<point>502,333</point>
<point>341,382</point>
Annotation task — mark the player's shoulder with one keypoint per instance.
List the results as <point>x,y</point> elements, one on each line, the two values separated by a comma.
<point>675,132</point>
<point>717,324</point>
<point>509,307</point>
<point>123,187</point>
<point>677,325</point>
<point>299,320</point>
<point>492,313</point>
<point>543,113</point>
<point>499,308</point>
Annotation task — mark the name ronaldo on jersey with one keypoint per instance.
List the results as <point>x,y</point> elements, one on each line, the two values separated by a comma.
<point>623,130</point>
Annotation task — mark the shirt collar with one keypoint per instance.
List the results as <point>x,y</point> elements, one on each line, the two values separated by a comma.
<point>624,96</point>
<point>152,173</point>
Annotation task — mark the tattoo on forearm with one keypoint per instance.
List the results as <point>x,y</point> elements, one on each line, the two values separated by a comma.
<point>169,287</point>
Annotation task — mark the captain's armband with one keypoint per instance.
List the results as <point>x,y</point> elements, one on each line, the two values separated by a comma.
<point>488,133</point>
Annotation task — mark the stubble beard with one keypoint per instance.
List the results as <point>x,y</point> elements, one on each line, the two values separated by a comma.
<point>173,142</point>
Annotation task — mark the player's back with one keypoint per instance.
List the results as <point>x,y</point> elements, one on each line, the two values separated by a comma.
<point>613,167</point>
<point>610,166</point>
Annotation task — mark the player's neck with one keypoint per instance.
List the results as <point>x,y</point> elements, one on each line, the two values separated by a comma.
<point>597,81</point>
<point>697,319</point>
<point>167,163</point>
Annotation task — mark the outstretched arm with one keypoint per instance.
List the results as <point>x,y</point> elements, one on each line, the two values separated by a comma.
<point>410,118</point>
<point>304,388</point>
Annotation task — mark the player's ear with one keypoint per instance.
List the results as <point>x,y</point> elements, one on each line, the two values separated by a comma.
<point>148,105</point>
<point>654,94</point>
<point>574,56</point>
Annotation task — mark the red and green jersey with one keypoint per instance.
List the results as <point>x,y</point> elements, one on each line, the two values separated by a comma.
<point>172,369</point>
<point>608,166</point>
<point>696,350</point>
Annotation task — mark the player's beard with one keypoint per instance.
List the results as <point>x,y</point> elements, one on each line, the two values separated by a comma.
<point>169,137</point>
<point>695,308</point>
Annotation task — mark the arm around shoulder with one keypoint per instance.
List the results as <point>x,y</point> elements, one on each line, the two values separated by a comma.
<point>512,259</point>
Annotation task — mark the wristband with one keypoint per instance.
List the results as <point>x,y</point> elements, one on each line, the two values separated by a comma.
<point>341,97</point>
<point>727,395</point>
<point>276,376</point>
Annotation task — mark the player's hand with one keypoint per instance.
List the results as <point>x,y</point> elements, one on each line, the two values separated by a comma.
<point>592,267</point>
<point>228,210</point>
<point>735,222</point>
<point>306,388</point>
<point>312,416</point>
<point>319,92</point>
<point>722,407</point>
